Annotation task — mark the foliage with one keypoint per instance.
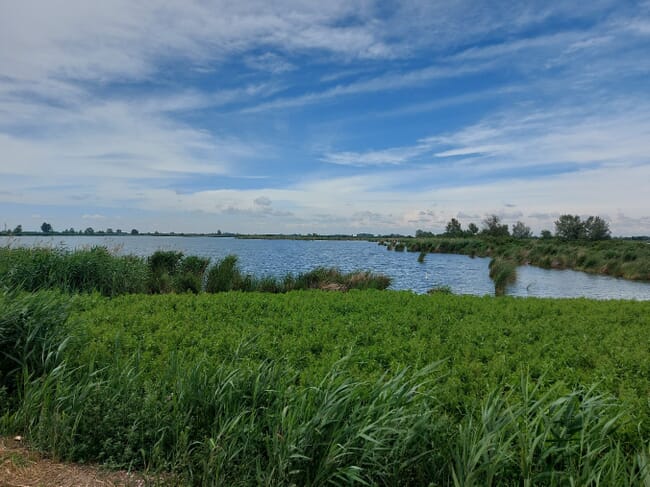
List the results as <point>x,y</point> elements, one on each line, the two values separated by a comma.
<point>46,228</point>
<point>423,234</point>
<point>493,227</point>
<point>629,259</point>
<point>520,230</point>
<point>453,228</point>
<point>440,290</point>
<point>309,388</point>
<point>96,269</point>
<point>83,270</point>
<point>571,227</point>
<point>502,272</point>
<point>225,276</point>
<point>30,325</point>
<point>596,228</point>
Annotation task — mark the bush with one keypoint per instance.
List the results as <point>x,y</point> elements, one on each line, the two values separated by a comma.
<point>502,272</point>
<point>224,275</point>
<point>82,270</point>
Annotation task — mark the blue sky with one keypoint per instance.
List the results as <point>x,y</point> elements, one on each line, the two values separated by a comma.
<point>339,116</point>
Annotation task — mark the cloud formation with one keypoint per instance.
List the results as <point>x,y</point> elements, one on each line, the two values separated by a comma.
<point>342,116</point>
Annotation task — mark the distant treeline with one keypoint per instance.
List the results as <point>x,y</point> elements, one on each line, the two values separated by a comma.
<point>567,227</point>
<point>48,230</point>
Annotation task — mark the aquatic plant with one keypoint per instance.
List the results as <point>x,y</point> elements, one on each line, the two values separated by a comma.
<point>502,272</point>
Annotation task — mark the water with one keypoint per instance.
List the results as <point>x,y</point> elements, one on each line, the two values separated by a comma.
<point>464,275</point>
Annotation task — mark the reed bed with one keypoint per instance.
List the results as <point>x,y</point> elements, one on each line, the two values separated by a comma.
<point>616,257</point>
<point>137,382</point>
<point>98,270</point>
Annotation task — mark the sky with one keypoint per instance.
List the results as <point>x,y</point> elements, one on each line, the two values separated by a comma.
<point>343,116</point>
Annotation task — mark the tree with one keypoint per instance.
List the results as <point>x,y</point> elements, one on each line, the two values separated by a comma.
<point>134,232</point>
<point>596,228</point>
<point>109,231</point>
<point>89,231</point>
<point>546,234</point>
<point>493,227</point>
<point>46,228</point>
<point>18,230</point>
<point>472,229</point>
<point>519,230</point>
<point>570,227</point>
<point>453,228</point>
<point>418,234</point>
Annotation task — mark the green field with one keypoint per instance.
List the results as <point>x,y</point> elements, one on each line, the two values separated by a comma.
<point>312,387</point>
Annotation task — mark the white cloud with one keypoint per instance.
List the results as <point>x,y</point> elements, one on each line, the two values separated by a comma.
<point>68,136</point>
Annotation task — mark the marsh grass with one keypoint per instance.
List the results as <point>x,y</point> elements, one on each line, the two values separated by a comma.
<point>615,257</point>
<point>83,270</point>
<point>225,275</point>
<point>248,419</point>
<point>238,424</point>
<point>98,270</point>
<point>502,272</point>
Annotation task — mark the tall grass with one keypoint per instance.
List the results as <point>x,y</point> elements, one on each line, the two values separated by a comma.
<point>97,270</point>
<point>502,273</point>
<point>250,420</point>
<point>31,327</point>
<point>240,424</point>
<point>615,257</point>
<point>82,270</point>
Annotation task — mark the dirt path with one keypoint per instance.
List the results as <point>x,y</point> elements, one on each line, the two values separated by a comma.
<point>20,467</point>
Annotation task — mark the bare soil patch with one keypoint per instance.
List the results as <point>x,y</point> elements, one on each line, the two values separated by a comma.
<point>21,467</point>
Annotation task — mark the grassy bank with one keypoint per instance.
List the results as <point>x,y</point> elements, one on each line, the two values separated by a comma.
<point>96,269</point>
<point>619,258</point>
<point>309,388</point>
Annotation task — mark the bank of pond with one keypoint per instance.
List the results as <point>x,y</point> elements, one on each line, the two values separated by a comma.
<point>96,269</point>
<point>626,259</point>
<point>311,388</point>
<point>281,266</point>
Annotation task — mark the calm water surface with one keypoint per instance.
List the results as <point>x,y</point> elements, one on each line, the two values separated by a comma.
<point>464,275</point>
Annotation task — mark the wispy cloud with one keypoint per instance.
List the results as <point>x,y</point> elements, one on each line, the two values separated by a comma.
<point>421,111</point>
<point>386,82</point>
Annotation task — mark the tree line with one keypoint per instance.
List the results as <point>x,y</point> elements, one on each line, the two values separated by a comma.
<point>47,229</point>
<point>567,227</point>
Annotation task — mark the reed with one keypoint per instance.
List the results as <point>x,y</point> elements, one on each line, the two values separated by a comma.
<point>247,418</point>
<point>238,424</point>
<point>97,270</point>
<point>502,273</point>
<point>83,270</point>
<point>628,259</point>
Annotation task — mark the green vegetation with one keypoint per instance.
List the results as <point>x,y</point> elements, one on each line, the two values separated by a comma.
<point>94,269</point>
<point>98,270</point>
<point>571,227</point>
<point>629,259</point>
<point>502,272</point>
<point>309,388</point>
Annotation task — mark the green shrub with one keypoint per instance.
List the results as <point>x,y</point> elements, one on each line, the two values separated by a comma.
<point>440,290</point>
<point>224,275</point>
<point>502,272</point>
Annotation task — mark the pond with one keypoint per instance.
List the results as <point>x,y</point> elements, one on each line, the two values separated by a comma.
<point>464,275</point>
